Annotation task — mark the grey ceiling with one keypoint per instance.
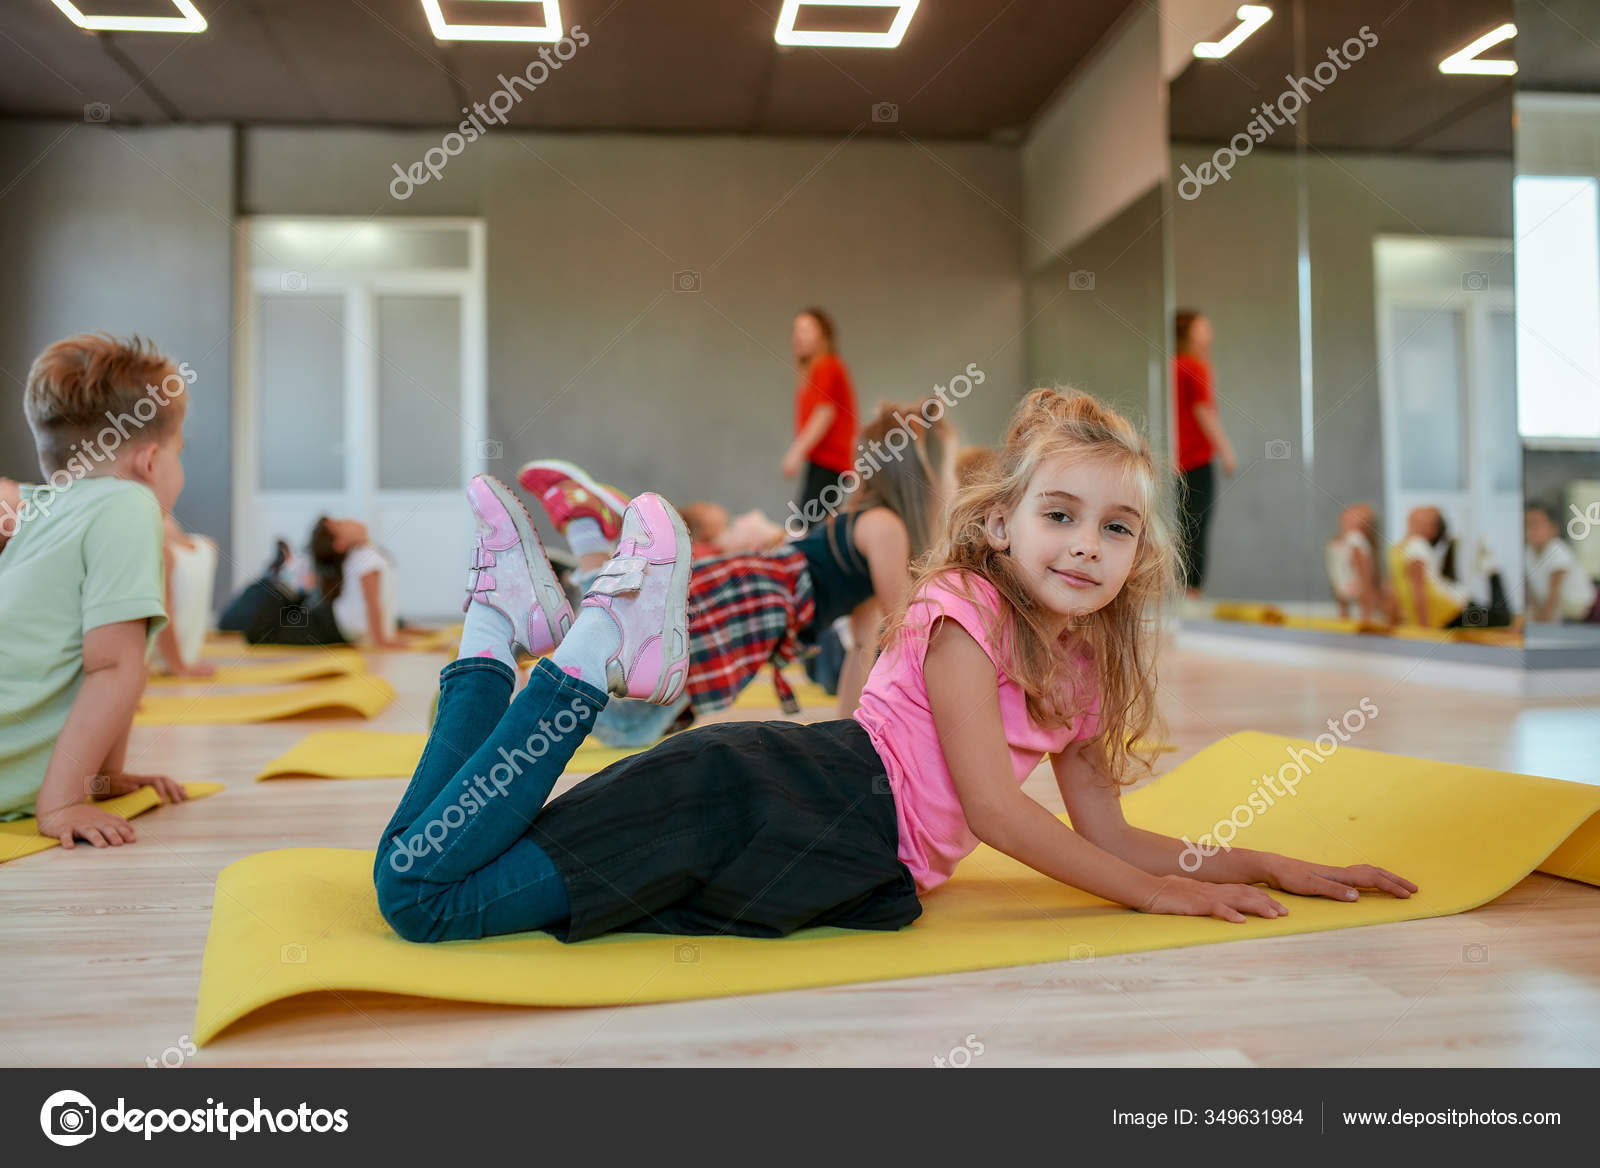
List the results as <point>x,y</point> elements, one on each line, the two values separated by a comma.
<point>966,69</point>
<point>1393,98</point>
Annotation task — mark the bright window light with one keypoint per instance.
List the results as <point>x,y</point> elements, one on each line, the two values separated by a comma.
<point>787,34</point>
<point>1466,61</point>
<point>190,21</point>
<point>1558,307</point>
<point>443,30</point>
<point>1251,17</point>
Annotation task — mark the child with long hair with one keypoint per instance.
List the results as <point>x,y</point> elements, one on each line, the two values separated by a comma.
<point>1031,630</point>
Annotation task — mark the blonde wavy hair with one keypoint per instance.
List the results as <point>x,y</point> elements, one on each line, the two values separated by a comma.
<point>1123,637</point>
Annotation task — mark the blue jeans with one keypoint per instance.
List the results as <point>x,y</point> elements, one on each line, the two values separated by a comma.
<point>455,862</point>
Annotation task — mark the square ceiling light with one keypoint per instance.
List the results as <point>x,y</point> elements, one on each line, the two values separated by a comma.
<point>190,21</point>
<point>787,34</point>
<point>549,31</point>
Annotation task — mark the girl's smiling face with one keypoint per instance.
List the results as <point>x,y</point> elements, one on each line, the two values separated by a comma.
<point>1073,536</point>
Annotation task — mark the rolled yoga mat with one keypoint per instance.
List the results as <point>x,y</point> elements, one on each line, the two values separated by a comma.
<point>383,754</point>
<point>360,694</point>
<point>21,837</point>
<point>306,667</point>
<point>1463,834</point>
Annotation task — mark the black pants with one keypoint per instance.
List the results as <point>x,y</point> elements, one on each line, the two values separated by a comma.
<point>267,613</point>
<point>1197,492</point>
<point>753,829</point>
<point>817,477</point>
<point>1476,616</point>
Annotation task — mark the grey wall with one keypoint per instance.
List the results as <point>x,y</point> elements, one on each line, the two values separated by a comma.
<point>126,231</point>
<point>914,250</point>
<point>1104,331</point>
<point>1235,256</point>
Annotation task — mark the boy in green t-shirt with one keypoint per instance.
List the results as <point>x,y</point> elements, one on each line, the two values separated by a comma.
<point>81,581</point>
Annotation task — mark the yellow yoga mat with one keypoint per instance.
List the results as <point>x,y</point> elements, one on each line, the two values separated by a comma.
<point>306,667</point>
<point>361,694</point>
<point>759,695</point>
<point>21,837</point>
<point>304,920</point>
<point>383,754</point>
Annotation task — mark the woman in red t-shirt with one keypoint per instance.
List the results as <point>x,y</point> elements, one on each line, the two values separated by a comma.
<point>824,413</point>
<point>1200,439</point>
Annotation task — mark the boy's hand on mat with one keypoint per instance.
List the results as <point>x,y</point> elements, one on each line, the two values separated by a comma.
<point>198,669</point>
<point>1307,879</point>
<point>88,822</point>
<point>122,783</point>
<point>1182,897</point>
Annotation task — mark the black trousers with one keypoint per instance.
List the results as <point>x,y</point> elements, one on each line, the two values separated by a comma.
<point>1197,492</point>
<point>1475,616</point>
<point>817,477</point>
<point>267,613</point>
<point>753,829</point>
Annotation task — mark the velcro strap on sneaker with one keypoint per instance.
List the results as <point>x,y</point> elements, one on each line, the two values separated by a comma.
<point>620,574</point>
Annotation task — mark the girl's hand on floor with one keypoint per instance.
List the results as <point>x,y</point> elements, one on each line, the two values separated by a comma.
<point>88,822</point>
<point>122,783</point>
<point>1309,879</point>
<point>198,669</point>
<point>1183,897</point>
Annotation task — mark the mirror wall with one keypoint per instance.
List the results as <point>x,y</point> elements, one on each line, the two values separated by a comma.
<point>1340,250</point>
<point>1558,301</point>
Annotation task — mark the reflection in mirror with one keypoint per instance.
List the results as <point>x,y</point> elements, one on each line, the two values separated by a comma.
<point>1558,316</point>
<point>1342,217</point>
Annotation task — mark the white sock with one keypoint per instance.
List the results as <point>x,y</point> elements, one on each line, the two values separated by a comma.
<point>583,652</point>
<point>585,537</point>
<point>487,633</point>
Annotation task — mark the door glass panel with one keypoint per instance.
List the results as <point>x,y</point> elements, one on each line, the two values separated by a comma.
<point>300,400</point>
<point>419,393</point>
<point>1427,365</point>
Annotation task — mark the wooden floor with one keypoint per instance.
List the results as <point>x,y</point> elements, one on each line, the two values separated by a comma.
<point>100,951</point>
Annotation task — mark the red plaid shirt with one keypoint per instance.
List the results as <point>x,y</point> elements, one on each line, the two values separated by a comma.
<point>744,611</point>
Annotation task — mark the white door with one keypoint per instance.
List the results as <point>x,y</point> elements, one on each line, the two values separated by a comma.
<point>361,393</point>
<point>1447,378</point>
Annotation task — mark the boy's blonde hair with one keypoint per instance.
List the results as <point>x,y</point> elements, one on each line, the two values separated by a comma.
<point>84,385</point>
<point>1121,638</point>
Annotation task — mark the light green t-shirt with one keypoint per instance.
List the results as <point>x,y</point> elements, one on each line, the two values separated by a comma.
<point>84,556</point>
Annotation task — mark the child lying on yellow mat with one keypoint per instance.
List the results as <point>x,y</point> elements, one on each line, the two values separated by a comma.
<point>1030,631</point>
<point>83,582</point>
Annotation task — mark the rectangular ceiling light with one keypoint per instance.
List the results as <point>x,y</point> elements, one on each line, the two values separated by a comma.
<point>190,21</point>
<point>550,30</point>
<point>787,34</point>
<point>1251,17</point>
<point>1466,61</point>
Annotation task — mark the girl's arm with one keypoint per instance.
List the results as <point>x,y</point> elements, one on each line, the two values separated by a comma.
<point>1367,573</point>
<point>880,536</point>
<point>810,434</point>
<point>1547,610</point>
<point>1094,803</point>
<point>372,593</point>
<point>964,696</point>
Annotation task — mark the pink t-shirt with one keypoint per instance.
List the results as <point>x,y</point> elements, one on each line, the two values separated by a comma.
<point>894,711</point>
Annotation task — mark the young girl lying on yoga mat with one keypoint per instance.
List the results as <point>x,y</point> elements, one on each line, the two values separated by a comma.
<point>1031,631</point>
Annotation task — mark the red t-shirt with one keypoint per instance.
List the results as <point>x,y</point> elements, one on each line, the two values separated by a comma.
<point>828,382</point>
<point>1191,379</point>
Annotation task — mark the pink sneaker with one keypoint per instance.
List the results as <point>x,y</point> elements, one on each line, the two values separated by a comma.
<point>521,586</point>
<point>567,492</point>
<point>644,587</point>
